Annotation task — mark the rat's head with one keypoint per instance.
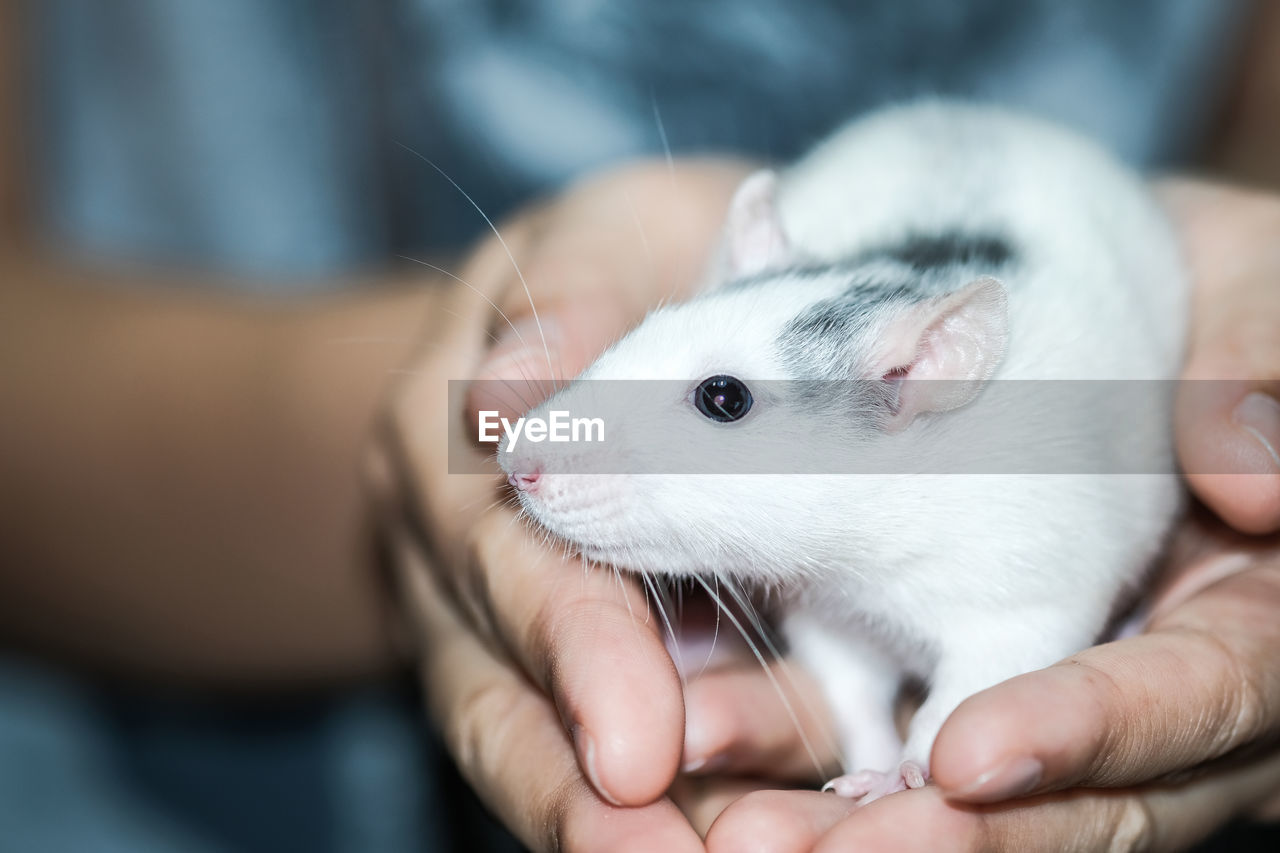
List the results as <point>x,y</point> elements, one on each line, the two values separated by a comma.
<point>704,405</point>
<point>659,475</point>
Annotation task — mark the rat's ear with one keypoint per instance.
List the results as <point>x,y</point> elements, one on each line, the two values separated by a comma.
<point>754,240</point>
<point>939,352</point>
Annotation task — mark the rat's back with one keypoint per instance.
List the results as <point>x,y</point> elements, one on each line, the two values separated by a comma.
<point>1091,251</point>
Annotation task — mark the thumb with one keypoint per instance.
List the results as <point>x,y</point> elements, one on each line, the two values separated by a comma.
<point>535,354</point>
<point>1227,418</point>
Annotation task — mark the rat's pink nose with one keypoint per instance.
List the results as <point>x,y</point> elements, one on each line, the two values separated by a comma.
<point>525,481</point>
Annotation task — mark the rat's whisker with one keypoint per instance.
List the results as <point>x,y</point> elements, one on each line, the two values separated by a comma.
<point>514,330</point>
<point>510,256</point>
<point>640,232</point>
<point>758,625</point>
<point>662,135</point>
<point>715,631</point>
<point>768,671</point>
<point>662,601</point>
<point>488,334</point>
<point>622,588</point>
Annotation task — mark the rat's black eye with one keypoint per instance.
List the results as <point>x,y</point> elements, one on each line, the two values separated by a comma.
<point>723,398</point>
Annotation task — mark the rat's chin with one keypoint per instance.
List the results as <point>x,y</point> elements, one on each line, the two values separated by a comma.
<point>632,560</point>
<point>608,556</point>
<point>581,543</point>
<point>596,520</point>
<point>647,558</point>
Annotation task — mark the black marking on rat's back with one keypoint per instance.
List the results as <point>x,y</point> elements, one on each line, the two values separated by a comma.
<point>925,252</point>
<point>800,272</point>
<point>924,255</point>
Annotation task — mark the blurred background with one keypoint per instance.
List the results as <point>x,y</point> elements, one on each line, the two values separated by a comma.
<point>252,159</point>
<point>260,137</point>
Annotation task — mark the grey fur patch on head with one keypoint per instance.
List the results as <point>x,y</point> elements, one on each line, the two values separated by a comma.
<point>824,341</point>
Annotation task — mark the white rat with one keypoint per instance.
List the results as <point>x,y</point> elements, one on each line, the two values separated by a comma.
<point>933,241</point>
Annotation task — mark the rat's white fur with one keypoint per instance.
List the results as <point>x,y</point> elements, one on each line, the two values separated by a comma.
<point>961,580</point>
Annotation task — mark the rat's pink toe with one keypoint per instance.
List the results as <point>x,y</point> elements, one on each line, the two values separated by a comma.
<point>867,786</point>
<point>890,783</point>
<point>853,786</point>
<point>913,774</point>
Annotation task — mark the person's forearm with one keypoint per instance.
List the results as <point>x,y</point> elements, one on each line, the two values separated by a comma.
<point>180,490</point>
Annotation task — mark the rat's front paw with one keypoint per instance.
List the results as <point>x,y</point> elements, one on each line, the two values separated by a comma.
<point>867,786</point>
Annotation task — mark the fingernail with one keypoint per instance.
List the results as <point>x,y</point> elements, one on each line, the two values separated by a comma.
<point>705,764</point>
<point>525,349</point>
<point>699,749</point>
<point>1014,778</point>
<point>693,766</point>
<point>1259,415</point>
<point>586,747</point>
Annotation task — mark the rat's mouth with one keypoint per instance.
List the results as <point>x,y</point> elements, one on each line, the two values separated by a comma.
<point>597,542</point>
<point>641,557</point>
<point>599,519</point>
<point>580,543</point>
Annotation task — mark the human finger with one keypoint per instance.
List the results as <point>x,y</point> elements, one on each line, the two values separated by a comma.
<point>703,798</point>
<point>1170,817</point>
<point>1148,818</point>
<point>746,719</point>
<point>1228,406</point>
<point>1200,684</point>
<point>510,744</point>
<point>535,356</point>
<point>777,821</point>
<point>588,637</point>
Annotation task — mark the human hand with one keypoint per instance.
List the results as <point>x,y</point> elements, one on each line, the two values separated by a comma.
<point>1229,432</point>
<point>1146,743</point>
<point>518,644</point>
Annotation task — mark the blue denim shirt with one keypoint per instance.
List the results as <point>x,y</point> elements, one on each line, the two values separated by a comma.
<point>259,137</point>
